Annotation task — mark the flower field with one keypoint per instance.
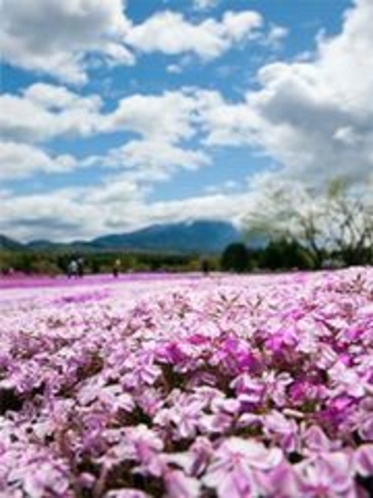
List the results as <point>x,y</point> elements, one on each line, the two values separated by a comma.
<point>186,387</point>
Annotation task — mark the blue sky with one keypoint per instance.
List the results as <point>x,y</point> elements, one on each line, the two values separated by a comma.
<point>118,114</point>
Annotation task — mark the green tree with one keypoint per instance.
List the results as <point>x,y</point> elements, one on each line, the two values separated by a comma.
<point>284,254</point>
<point>235,257</point>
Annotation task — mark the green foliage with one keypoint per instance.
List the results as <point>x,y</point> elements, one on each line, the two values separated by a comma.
<point>235,257</point>
<point>284,254</point>
<point>56,262</point>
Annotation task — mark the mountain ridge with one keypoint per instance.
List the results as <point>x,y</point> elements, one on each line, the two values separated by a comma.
<point>199,236</point>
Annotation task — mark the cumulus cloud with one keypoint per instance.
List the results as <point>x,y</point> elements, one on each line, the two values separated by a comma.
<point>52,215</point>
<point>167,116</point>
<point>53,36</point>
<point>315,117</point>
<point>170,33</point>
<point>62,38</point>
<point>116,205</point>
<point>45,111</point>
<point>312,118</point>
<point>69,213</point>
<point>154,160</point>
<point>164,124</point>
<point>19,160</point>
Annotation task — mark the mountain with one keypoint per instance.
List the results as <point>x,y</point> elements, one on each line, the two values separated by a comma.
<point>196,236</point>
<point>205,237</point>
<point>9,244</point>
<point>42,245</point>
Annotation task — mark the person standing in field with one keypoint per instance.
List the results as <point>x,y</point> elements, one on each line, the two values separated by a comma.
<point>80,263</point>
<point>72,268</point>
<point>116,267</point>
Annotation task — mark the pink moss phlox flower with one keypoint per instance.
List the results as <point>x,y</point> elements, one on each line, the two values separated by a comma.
<point>200,452</point>
<point>279,429</point>
<point>232,471</point>
<point>327,474</point>
<point>363,460</point>
<point>225,405</point>
<point>248,389</point>
<point>184,415</point>
<point>179,485</point>
<point>249,386</point>
<point>276,385</point>
<point>90,390</point>
<point>364,425</point>
<point>282,339</point>
<point>198,339</point>
<point>126,493</point>
<point>338,415</point>
<point>281,482</point>
<point>345,380</point>
<point>144,441</point>
<point>143,371</point>
<point>234,355</point>
<point>303,391</point>
<point>326,356</point>
<point>315,440</point>
<point>38,476</point>
<point>194,461</point>
<point>216,423</point>
<point>150,400</point>
<point>173,353</point>
<point>139,444</point>
<point>113,398</point>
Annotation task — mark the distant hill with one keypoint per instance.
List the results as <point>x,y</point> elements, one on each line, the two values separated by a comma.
<point>185,237</point>
<point>9,244</point>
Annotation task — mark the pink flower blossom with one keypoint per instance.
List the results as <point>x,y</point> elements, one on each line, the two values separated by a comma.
<point>232,471</point>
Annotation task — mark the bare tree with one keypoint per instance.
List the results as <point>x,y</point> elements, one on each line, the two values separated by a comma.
<point>335,221</point>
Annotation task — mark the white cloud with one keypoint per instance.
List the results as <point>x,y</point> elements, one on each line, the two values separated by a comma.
<point>54,37</point>
<point>117,205</point>
<point>241,25</point>
<point>63,38</point>
<point>18,160</point>
<point>313,117</point>
<point>164,124</point>
<point>59,98</point>
<point>154,160</point>
<point>71,213</point>
<point>225,123</point>
<point>51,216</point>
<point>170,33</point>
<point>47,111</point>
<point>275,36</point>
<point>204,4</point>
<point>167,116</point>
